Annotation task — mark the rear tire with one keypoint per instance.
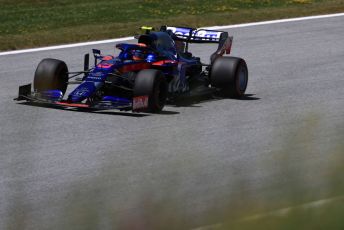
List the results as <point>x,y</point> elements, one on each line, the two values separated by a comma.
<point>151,83</point>
<point>51,74</point>
<point>230,75</point>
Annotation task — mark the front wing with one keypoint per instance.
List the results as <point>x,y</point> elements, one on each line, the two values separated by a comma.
<point>136,104</point>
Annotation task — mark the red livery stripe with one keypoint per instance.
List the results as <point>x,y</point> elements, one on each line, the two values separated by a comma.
<point>73,104</point>
<point>135,67</point>
<point>164,62</point>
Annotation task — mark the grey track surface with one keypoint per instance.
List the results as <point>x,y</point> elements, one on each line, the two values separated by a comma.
<point>55,162</point>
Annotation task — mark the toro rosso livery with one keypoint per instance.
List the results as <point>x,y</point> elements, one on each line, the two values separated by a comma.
<point>144,75</point>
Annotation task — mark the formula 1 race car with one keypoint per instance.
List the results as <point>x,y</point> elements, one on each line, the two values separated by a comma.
<point>144,75</point>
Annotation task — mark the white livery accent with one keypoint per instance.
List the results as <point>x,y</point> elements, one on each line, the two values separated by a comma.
<point>140,103</point>
<point>199,34</point>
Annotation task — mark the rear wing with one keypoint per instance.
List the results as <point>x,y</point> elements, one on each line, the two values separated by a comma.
<point>194,35</point>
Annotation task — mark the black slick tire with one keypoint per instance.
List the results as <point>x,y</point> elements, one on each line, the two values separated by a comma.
<point>151,83</point>
<point>51,74</point>
<point>230,75</point>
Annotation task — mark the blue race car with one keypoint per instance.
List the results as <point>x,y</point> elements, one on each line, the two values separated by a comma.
<point>144,75</point>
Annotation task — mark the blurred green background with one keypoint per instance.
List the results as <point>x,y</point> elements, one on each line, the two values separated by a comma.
<point>296,205</point>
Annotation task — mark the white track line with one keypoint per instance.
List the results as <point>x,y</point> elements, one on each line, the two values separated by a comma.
<point>286,211</point>
<point>66,46</point>
<point>130,38</point>
<point>275,21</point>
<point>279,212</point>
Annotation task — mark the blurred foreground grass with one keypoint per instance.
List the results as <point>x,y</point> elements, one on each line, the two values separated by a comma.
<point>33,23</point>
<point>293,205</point>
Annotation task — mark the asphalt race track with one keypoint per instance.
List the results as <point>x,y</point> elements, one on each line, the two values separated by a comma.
<point>56,163</point>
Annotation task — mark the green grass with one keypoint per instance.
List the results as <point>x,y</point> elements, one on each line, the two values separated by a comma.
<point>34,23</point>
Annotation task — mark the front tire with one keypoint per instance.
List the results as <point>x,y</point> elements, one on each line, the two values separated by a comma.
<point>230,75</point>
<point>51,74</point>
<point>151,83</point>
